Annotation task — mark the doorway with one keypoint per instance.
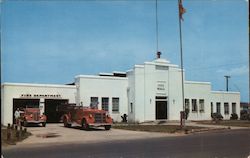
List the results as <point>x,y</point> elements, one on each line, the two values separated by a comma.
<point>54,109</point>
<point>161,108</point>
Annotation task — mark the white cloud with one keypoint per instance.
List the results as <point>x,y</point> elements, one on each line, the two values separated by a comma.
<point>234,71</point>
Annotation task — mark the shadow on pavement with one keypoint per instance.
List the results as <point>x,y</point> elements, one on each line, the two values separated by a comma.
<point>90,129</point>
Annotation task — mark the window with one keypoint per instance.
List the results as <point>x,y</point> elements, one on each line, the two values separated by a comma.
<point>94,102</point>
<point>234,108</point>
<point>131,107</point>
<point>115,104</point>
<point>226,108</point>
<point>201,105</point>
<point>159,67</point>
<point>187,104</point>
<point>105,104</point>
<point>212,108</point>
<point>194,105</point>
<point>218,107</point>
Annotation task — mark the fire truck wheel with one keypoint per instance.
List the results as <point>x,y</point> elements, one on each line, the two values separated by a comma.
<point>65,122</point>
<point>85,125</point>
<point>44,124</point>
<point>107,127</point>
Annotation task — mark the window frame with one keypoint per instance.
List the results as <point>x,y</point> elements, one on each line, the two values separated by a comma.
<point>106,104</point>
<point>234,108</point>
<point>226,110</point>
<point>91,102</point>
<point>194,105</point>
<point>202,105</point>
<point>218,111</point>
<point>115,109</point>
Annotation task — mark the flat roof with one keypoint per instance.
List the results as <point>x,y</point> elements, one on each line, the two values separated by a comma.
<point>197,82</point>
<point>102,77</point>
<point>225,92</point>
<point>38,85</point>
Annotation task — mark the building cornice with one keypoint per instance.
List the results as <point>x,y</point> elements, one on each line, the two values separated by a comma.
<point>197,82</point>
<point>225,92</point>
<point>101,77</point>
<point>38,85</point>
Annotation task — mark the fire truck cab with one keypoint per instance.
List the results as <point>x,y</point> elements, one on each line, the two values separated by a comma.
<point>32,116</point>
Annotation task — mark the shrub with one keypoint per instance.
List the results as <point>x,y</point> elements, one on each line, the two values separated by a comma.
<point>244,115</point>
<point>216,116</point>
<point>234,116</point>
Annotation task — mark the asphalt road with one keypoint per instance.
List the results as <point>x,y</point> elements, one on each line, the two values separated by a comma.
<point>226,144</point>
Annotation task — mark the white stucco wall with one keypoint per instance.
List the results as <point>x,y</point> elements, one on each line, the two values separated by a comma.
<point>146,78</point>
<point>198,90</point>
<point>139,94</point>
<point>131,95</point>
<point>15,90</point>
<point>225,97</point>
<point>175,93</point>
<point>103,86</point>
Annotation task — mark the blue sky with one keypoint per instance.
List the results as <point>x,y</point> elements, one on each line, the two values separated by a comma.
<point>53,41</point>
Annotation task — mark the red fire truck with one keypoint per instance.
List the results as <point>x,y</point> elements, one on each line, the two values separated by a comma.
<point>86,117</point>
<point>32,116</point>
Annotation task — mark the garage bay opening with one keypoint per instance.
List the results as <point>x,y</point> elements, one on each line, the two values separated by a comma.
<point>24,103</point>
<point>54,109</point>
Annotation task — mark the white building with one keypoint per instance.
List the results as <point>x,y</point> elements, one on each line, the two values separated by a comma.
<point>151,91</point>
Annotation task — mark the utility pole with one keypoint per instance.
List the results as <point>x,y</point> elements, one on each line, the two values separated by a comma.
<point>227,77</point>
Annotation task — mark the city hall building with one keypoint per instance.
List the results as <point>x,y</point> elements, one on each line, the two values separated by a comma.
<point>148,92</point>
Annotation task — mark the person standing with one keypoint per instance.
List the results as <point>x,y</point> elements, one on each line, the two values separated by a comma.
<point>17,116</point>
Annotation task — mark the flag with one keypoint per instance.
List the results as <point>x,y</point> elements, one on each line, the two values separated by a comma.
<point>182,10</point>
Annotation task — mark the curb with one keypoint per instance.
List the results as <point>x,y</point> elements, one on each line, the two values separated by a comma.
<point>206,130</point>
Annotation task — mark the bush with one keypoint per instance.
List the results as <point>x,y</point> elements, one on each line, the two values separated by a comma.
<point>216,116</point>
<point>244,115</point>
<point>234,116</point>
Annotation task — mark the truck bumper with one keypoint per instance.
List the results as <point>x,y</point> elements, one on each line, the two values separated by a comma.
<point>99,124</point>
<point>37,122</point>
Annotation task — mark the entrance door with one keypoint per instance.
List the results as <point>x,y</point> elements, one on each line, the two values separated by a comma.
<point>161,108</point>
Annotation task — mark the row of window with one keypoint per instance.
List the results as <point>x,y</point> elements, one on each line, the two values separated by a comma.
<point>201,106</point>
<point>226,108</point>
<point>105,103</point>
<point>194,105</point>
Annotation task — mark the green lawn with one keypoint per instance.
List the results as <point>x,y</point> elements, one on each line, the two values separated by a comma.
<point>238,123</point>
<point>156,128</point>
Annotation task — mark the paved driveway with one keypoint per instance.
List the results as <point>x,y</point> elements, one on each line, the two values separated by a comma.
<point>58,134</point>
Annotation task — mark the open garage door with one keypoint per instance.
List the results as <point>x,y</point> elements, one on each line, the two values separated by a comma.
<point>54,109</point>
<point>24,103</point>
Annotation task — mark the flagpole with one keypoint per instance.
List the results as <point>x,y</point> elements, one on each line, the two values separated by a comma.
<point>181,54</point>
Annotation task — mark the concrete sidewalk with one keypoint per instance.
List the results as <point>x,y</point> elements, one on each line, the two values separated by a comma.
<point>192,123</point>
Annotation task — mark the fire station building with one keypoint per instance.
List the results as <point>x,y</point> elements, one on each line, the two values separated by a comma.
<point>147,92</point>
